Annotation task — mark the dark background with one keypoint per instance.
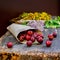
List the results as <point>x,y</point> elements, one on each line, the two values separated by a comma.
<point>12,8</point>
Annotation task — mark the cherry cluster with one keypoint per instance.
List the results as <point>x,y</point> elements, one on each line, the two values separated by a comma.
<point>50,38</point>
<point>31,36</point>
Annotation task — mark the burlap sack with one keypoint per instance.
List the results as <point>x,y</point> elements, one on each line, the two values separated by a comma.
<point>15,29</point>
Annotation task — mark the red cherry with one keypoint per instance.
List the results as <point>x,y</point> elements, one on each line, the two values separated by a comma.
<point>38,37</point>
<point>9,44</point>
<point>32,39</point>
<point>29,43</point>
<point>35,34</point>
<point>54,34</point>
<point>48,43</point>
<point>28,37</point>
<point>42,35</point>
<point>50,36</point>
<point>30,32</point>
<point>23,35</point>
<point>40,40</point>
<point>21,38</point>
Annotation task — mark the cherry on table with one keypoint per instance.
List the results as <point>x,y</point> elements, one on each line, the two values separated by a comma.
<point>29,43</point>
<point>9,44</point>
<point>48,43</point>
<point>54,34</point>
<point>40,40</point>
<point>50,36</point>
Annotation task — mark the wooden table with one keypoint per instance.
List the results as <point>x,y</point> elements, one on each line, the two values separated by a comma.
<point>22,52</point>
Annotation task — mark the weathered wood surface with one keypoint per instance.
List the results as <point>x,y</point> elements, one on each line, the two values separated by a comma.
<point>36,52</point>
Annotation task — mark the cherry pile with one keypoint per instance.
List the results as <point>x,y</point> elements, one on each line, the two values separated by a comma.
<point>31,36</point>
